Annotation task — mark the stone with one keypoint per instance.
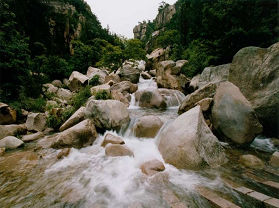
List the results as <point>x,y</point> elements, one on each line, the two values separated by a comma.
<point>125,86</point>
<point>91,72</point>
<point>107,114</point>
<point>251,161</point>
<point>233,116</point>
<point>147,126</point>
<point>188,143</point>
<point>194,83</point>
<point>274,160</point>
<point>50,89</point>
<point>172,97</point>
<point>129,73</point>
<point>77,117</point>
<point>77,80</point>
<point>36,122</point>
<point>2,151</point>
<point>152,167</point>
<point>7,114</point>
<point>145,75</point>
<point>81,135</point>
<point>57,83</point>
<point>112,139</point>
<point>32,137</point>
<point>116,95</point>
<point>156,54</point>
<point>116,150</point>
<point>112,77</point>
<point>98,88</point>
<point>152,72</point>
<point>63,153</point>
<point>64,94</point>
<point>66,82</point>
<point>10,142</point>
<point>12,130</point>
<point>51,103</point>
<point>256,72</point>
<point>150,98</point>
<point>208,91</point>
<point>205,104</point>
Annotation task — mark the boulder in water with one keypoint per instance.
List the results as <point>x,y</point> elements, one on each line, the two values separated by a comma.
<point>233,116</point>
<point>152,167</point>
<point>147,126</point>
<point>112,139</point>
<point>10,142</point>
<point>172,97</point>
<point>251,161</point>
<point>124,87</point>
<point>7,115</point>
<point>188,143</point>
<point>81,135</point>
<point>108,114</point>
<point>116,150</point>
<point>63,153</point>
<point>150,98</point>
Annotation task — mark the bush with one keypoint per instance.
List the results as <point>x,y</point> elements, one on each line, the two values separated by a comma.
<point>102,95</point>
<point>55,121</point>
<point>95,80</point>
<point>29,104</point>
<point>81,97</point>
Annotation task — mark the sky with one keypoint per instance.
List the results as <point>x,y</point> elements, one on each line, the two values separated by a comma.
<point>123,15</point>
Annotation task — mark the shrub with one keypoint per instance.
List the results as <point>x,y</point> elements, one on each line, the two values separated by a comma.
<point>102,95</point>
<point>81,97</point>
<point>55,121</point>
<point>95,80</point>
<point>29,104</point>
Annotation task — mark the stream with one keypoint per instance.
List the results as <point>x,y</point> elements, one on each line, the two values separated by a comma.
<point>87,178</point>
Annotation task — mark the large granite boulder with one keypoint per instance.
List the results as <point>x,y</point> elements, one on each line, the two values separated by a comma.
<point>117,150</point>
<point>112,139</point>
<point>128,72</point>
<point>91,72</point>
<point>12,130</point>
<point>36,122</point>
<point>81,135</point>
<point>77,117</point>
<point>64,94</point>
<point>49,89</point>
<point>107,114</point>
<point>150,98</point>
<point>188,143</point>
<point>256,72</point>
<point>233,116</point>
<point>125,87</point>
<point>152,167</point>
<point>147,126</point>
<point>7,114</point>
<point>77,80</point>
<point>10,142</point>
<point>191,100</point>
<point>172,97</point>
<point>32,137</point>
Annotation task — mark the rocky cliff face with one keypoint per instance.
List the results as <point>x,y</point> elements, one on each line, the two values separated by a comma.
<point>164,16</point>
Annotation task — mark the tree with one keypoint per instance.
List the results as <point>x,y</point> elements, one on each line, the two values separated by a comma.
<point>134,49</point>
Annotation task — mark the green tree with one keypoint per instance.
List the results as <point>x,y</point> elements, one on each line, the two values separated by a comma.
<point>134,49</point>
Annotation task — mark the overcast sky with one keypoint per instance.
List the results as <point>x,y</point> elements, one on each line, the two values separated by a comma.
<point>123,15</point>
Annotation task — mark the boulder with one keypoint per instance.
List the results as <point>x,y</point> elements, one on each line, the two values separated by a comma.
<point>208,91</point>
<point>103,87</point>
<point>7,114</point>
<point>112,77</point>
<point>108,114</point>
<point>66,82</point>
<point>194,83</point>
<point>51,103</point>
<point>256,72</point>
<point>125,86</point>
<point>188,143</point>
<point>233,116</point>
<point>32,137</point>
<point>81,135</point>
<point>205,104</point>
<point>156,54</point>
<point>167,74</point>
<point>116,95</point>
<point>147,126</point>
<point>57,83</point>
<point>152,72</point>
<point>64,94</point>
<point>77,80</point>
<point>63,153</point>
<point>152,167</point>
<point>112,139</point>
<point>251,161</point>
<point>12,130</point>
<point>50,89</point>
<point>129,73</point>
<point>274,160</point>
<point>36,122</point>
<point>172,97</point>
<point>77,117</point>
<point>145,75</point>
<point>11,142</point>
<point>115,150</point>
<point>150,98</point>
<point>91,72</point>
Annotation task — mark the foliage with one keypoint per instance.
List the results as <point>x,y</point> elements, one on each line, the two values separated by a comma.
<point>102,95</point>
<point>168,38</point>
<point>134,49</point>
<point>29,104</point>
<point>55,121</point>
<point>81,97</point>
<point>95,80</point>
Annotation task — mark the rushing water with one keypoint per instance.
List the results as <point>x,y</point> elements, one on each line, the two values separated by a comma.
<point>87,178</point>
